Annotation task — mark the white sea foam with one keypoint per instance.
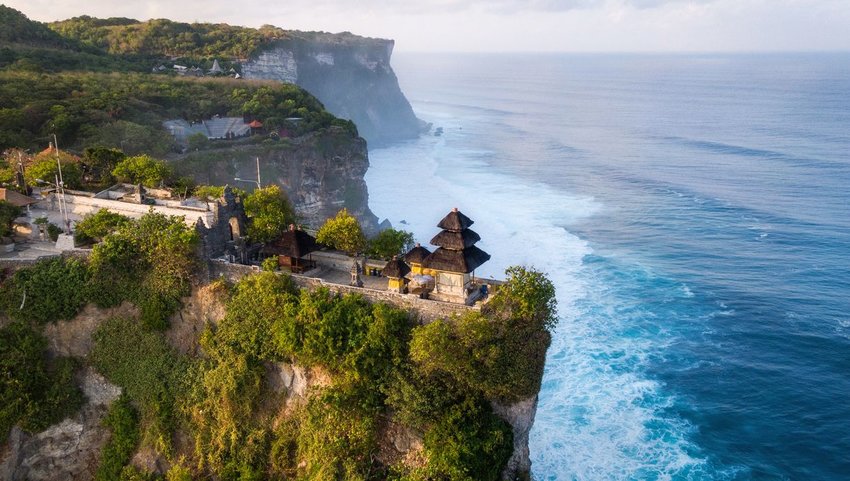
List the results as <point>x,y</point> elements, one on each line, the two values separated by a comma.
<point>599,417</point>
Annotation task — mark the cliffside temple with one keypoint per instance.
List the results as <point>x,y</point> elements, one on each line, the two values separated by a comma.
<point>455,259</point>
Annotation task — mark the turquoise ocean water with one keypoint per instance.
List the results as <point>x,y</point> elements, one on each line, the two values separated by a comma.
<point>694,214</point>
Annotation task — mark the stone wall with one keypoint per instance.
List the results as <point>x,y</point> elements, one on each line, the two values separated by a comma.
<point>80,205</point>
<point>427,310</point>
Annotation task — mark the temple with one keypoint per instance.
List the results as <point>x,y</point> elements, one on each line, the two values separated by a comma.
<point>454,262</point>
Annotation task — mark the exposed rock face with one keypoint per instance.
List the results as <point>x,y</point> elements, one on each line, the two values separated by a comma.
<point>520,415</point>
<point>74,337</point>
<point>321,172</point>
<point>350,75</point>
<point>69,450</point>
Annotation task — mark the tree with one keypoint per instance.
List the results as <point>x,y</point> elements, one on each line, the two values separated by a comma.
<point>8,214</point>
<point>499,351</point>
<point>198,141</point>
<point>270,213</point>
<point>143,169</point>
<point>98,225</point>
<point>342,232</point>
<point>44,168</point>
<point>209,192</point>
<point>98,164</point>
<point>390,242</point>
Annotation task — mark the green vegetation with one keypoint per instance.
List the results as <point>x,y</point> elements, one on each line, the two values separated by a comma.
<point>161,37</point>
<point>18,29</point>
<point>127,111</point>
<point>389,243</point>
<point>43,168</point>
<point>270,213</point>
<point>343,233</point>
<point>500,350</point>
<point>8,214</point>
<point>123,421</point>
<point>436,379</point>
<point>209,192</point>
<point>364,348</point>
<point>34,392</point>
<point>52,289</point>
<point>149,372</point>
<point>98,164</point>
<point>143,169</point>
<point>95,227</point>
<point>150,262</point>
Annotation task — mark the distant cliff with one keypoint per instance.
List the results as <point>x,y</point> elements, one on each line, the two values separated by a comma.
<point>351,75</point>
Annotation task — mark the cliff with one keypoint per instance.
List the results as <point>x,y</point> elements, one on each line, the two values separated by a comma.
<point>71,449</point>
<point>321,173</point>
<point>351,75</point>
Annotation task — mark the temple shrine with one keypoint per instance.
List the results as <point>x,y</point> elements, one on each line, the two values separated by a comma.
<point>454,262</point>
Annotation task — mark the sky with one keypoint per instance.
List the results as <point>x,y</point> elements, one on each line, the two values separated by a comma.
<point>514,25</point>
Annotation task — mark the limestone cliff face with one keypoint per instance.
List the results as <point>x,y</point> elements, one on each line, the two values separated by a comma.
<point>350,75</point>
<point>321,173</point>
<point>70,449</point>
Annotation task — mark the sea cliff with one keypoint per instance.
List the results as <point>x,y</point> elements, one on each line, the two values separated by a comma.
<point>351,75</point>
<point>321,173</point>
<point>286,392</point>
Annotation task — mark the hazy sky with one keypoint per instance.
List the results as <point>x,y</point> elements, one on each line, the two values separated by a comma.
<point>514,25</point>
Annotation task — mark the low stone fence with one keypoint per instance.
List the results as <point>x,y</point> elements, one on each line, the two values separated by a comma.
<point>427,310</point>
<point>82,205</point>
<point>15,263</point>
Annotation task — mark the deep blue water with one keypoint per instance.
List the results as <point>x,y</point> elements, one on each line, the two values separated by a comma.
<point>694,214</point>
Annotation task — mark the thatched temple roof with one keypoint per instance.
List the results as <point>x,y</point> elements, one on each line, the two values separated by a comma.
<point>466,260</point>
<point>457,251</point>
<point>456,240</point>
<point>292,243</point>
<point>455,221</point>
<point>416,255</point>
<point>396,268</point>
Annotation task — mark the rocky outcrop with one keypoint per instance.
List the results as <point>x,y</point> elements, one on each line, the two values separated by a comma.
<point>350,75</point>
<point>74,337</point>
<point>321,173</point>
<point>69,450</point>
<point>520,415</point>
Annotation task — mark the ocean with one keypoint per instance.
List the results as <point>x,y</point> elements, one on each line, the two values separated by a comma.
<point>693,212</point>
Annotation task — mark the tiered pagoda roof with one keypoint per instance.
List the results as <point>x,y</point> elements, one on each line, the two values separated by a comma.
<point>456,250</point>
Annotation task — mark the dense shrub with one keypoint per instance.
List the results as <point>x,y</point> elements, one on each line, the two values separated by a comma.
<point>499,351</point>
<point>95,227</point>
<point>336,439</point>
<point>468,443</point>
<point>100,109</point>
<point>146,368</point>
<point>8,213</point>
<point>389,243</point>
<point>260,304</point>
<point>150,262</point>
<point>53,232</point>
<point>342,232</point>
<point>52,289</point>
<point>123,421</point>
<point>221,408</point>
<point>33,392</point>
<point>44,168</point>
<point>270,213</point>
<point>143,169</point>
